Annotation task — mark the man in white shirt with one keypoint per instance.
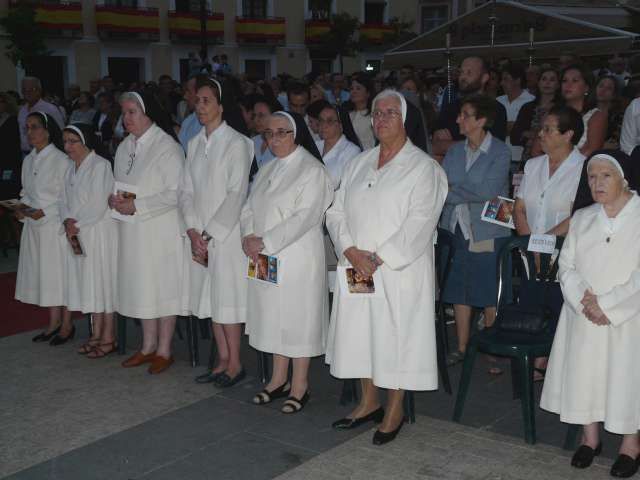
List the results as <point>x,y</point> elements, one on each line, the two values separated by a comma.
<point>32,93</point>
<point>513,80</point>
<point>298,101</point>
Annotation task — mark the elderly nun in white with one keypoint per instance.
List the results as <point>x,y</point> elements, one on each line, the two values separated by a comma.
<point>150,248</point>
<point>283,217</point>
<point>212,192</point>
<point>41,262</point>
<point>90,283</point>
<point>383,220</point>
<point>593,374</point>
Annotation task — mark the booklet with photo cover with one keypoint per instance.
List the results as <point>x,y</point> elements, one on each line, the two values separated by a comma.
<point>499,211</point>
<point>76,246</point>
<point>352,284</point>
<point>127,191</point>
<point>266,270</point>
<point>16,205</point>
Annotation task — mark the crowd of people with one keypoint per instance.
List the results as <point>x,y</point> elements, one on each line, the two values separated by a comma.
<point>160,202</point>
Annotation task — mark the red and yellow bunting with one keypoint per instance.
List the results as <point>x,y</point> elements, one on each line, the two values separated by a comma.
<point>119,19</point>
<point>59,17</point>
<point>260,29</point>
<point>189,24</point>
<point>375,33</point>
<point>315,29</point>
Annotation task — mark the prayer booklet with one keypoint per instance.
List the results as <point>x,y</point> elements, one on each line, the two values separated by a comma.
<point>13,204</point>
<point>76,246</point>
<point>266,270</point>
<point>16,205</point>
<point>352,284</point>
<point>127,191</point>
<point>499,211</point>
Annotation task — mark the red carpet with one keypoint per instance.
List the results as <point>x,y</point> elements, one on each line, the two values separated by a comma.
<point>17,317</point>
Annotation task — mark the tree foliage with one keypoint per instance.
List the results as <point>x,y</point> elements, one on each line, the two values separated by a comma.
<point>26,41</point>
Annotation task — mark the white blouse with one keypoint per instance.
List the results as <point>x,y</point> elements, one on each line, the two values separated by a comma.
<point>338,157</point>
<point>548,200</point>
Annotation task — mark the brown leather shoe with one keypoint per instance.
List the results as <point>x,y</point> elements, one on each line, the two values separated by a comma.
<point>138,359</point>
<point>160,364</point>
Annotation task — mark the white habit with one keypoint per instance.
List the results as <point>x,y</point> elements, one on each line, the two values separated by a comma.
<point>593,373</point>
<point>42,249</point>
<point>286,208</point>
<point>212,193</point>
<point>394,212</point>
<point>151,250</point>
<point>90,284</point>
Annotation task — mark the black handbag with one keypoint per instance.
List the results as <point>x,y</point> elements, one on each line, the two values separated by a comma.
<point>538,308</point>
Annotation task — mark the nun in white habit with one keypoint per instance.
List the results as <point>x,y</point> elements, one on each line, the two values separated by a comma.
<point>593,373</point>
<point>90,282</point>
<point>41,261</point>
<point>382,224</point>
<point>283,217</point>
<point>151,248</point>
<point>212,192</point>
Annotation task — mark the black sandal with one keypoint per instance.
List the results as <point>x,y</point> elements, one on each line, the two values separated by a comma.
<point>88,346</point>
<point>265,396</point>
<point>99,352</point>
<point>294,405</point>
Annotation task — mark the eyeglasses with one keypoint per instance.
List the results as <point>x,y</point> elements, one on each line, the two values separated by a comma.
<point>71,141</point>
<point>279,134</point>
<point>466,115</point>
<point>385,114</point>
<point>327,121</point>
<point>549,129</point>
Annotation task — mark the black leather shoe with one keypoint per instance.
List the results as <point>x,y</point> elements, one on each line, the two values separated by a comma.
<point>380,438</point>
<point>44,336</point>
<point>208,377</point>
<point>625,466</point>
<point>349,423</point>
<point>584,456</point>
<point>58,340</point>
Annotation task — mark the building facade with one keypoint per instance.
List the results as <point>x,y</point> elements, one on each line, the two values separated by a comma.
<point>139,40</point>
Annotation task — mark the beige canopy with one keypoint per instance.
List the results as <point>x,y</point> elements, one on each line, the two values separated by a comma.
<point>470,34</point>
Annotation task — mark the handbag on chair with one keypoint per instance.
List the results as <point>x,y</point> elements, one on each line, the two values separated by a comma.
<point>538,308</point>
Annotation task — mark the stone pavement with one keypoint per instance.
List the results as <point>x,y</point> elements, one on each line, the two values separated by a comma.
<point>433,449</point>
<point>64,417</point>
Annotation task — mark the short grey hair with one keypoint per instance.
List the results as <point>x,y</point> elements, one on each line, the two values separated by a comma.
<point>35,80</point>
<point>388,93</point>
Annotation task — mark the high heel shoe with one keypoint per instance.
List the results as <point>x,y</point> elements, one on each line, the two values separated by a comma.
<point>59,340</point>
<point>44,336</point>
<point>584,456</point>
<point>380,438</point>
<point>348,423</point>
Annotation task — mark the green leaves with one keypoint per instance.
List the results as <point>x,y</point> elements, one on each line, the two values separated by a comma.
<point>26,38</point>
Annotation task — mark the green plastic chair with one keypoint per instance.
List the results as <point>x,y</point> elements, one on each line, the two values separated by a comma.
<point>522,349</point>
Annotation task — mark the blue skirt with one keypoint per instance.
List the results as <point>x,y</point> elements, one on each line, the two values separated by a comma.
<point>473,277</point>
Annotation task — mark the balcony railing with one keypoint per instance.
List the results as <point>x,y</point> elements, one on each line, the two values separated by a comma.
<point>186,25</point>
<point>63,20</point>
<point>124,21</point>
<point>260,30</point>
<point>375,33</point>
<point>315,29</point>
